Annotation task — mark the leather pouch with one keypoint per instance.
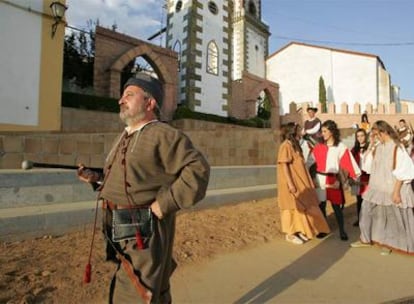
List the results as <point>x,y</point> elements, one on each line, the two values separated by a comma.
<point>125,223</point>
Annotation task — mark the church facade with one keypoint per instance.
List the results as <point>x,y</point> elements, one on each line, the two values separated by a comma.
<point>225,67</point>
<point>350,77</point>
<point>222,45</point>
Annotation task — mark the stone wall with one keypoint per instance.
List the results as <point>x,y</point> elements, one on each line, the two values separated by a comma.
<point>344,119</point>
<point>87,136</point>
<point>222,144</point>
<point>55,148</point>
<point>83,121</point>
<point>245,93</point>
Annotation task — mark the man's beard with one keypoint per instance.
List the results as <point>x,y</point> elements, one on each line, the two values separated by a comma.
<point>131,120</point>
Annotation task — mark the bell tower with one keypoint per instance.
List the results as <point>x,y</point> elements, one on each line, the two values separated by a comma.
<point>222,46</point>
<point>250,39</point>
<point>199,31</point>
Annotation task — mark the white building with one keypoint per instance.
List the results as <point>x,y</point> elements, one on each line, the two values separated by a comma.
<point>349,76</point>
<point>249,40</point>
<point>217,40</point>
<point>407,103</point>
<point>200,35</point>
<point>31,66</point>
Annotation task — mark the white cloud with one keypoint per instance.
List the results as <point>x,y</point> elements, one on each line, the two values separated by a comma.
<point>137,18</point>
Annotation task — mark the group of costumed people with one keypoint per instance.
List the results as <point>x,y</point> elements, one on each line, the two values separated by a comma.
<point>154,170</point>
<point>313,165</point>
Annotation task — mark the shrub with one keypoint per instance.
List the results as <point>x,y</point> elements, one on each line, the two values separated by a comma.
<point>185,112</point>
<point>106,104</point>
<point>89,102</point>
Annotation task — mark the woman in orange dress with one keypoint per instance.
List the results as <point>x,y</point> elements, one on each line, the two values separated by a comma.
<point>301,217</point>
<point>365,123</point>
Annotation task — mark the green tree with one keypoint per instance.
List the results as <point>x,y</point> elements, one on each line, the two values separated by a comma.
<point>264,108</point>
<point>70,57</point>
<point>322,95</point>
<point>79,55</point>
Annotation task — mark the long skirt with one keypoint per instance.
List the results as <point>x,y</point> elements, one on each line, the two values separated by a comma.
<point>388,226</point>
<point>310,222</point>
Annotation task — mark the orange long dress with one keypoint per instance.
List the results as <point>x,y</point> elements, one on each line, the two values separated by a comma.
<point>300,211</point>
<point>366,126</point>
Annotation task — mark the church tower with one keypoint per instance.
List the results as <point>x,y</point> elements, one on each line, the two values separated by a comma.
<point>199,31</point>
<point>249,40</point>
<point>218,43</point>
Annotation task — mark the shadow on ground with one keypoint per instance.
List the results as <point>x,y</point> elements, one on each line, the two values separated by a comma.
<point>309,266</point>
<point>312,265</point>
<point>409,300</point>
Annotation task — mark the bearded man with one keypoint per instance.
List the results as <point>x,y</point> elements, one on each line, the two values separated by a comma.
<point>151,172</point>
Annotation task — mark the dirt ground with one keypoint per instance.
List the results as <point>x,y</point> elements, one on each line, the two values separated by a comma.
<point>50,269</point>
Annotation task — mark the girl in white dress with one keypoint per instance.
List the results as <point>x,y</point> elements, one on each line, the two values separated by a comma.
<point>387,216</point>
<point>360,186</point>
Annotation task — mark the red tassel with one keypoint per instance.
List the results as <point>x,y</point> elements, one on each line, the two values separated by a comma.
<point>87,274</point>
<point>140,243</point>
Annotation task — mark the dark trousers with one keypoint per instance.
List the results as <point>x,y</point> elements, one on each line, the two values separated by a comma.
<point>338,215</point>
<point>358,205</point>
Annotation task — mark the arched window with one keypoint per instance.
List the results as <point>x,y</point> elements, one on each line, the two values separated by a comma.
<point>177,48</point>
<point>252,8</point>
<point>178,6</point>
<point>212,58</point>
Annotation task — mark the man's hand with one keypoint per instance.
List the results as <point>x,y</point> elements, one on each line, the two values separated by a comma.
<point>335,185</point>
<point>156,209</point>
<point>88,175</point>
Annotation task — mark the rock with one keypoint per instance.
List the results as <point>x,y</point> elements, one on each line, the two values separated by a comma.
<point>46,273</point>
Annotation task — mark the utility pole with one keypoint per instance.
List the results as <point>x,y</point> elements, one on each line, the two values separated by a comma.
<point>163,26</point>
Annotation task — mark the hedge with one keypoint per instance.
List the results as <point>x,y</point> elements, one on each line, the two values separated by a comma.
<point>89,102</point>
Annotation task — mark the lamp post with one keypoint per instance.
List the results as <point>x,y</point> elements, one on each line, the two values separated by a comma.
<point>58,11</point>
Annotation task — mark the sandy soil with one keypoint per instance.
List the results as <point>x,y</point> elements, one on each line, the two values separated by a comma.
<point>50,269</point>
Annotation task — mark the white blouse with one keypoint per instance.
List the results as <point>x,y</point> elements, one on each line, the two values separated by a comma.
<point>404,167</point>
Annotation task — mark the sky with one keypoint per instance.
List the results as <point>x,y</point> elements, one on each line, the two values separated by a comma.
<point>384,28</point>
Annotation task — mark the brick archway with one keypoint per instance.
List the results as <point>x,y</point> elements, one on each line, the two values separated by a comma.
<point>244,97</point>
<point>113,51</point>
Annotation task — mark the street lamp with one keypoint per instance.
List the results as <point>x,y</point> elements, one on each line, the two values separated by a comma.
<point>58,11</point>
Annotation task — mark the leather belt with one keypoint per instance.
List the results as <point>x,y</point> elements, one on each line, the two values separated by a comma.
<point>112,206</point>
<point>326,173</point>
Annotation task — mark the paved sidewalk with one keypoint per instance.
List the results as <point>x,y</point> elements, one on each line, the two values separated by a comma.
<point>321,271</point>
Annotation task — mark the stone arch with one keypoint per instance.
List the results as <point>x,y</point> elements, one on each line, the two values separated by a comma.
<point>113,51</point>
<point>271,90</point>
<point>245,92</point>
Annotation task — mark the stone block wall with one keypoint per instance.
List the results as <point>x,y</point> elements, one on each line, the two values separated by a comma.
<point>54,148</point>
<point>231,147</point>
<point>221,144</point>
<point>347,120</point>
<point>84,121</point>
